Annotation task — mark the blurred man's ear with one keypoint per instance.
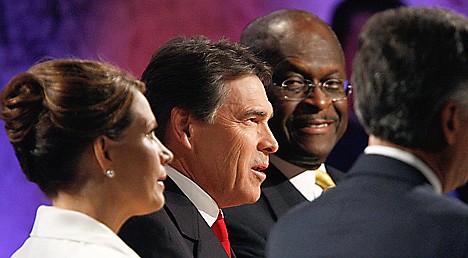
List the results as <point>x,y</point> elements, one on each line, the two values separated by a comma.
<point>450,122</point>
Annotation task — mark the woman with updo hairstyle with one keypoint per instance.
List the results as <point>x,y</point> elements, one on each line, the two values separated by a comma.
<point>84,133</point>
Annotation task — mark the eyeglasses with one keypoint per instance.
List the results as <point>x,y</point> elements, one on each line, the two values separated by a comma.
<point>299,89</point>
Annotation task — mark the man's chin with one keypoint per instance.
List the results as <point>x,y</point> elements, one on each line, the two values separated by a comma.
<point>247,199</point>
<point>314,147</point>
<point>308,157</point>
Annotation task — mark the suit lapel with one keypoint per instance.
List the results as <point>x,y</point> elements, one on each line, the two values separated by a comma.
<point>191,224</point>
<point>209,245</point>
<point>335,174</point>
<point>182,210</point>
<point>282,195</point>
<point>279,192</point>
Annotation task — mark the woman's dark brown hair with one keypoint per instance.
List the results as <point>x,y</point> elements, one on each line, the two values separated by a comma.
<point>57,108</point>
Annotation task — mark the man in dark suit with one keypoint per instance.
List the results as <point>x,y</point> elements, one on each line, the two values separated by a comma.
<point>212,109</point>
<point>411,96</point>
<point>309,98</point>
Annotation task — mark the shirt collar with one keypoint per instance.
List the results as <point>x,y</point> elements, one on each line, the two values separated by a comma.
<point>409,159</point>
<point>288,169</point>
<point>303,180</point>
<point>205,205</point>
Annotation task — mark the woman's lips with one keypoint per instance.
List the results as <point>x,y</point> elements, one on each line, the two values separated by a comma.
<point>161,180</point>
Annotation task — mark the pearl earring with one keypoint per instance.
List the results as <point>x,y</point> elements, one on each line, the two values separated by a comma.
<point>110,173</point>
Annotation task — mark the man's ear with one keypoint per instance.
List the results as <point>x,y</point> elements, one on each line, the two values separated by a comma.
<point>450,121</point>
<point>181,126</point>
<point>101,151</point>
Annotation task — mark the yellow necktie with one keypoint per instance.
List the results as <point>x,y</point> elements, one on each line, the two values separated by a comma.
<point>323,180</point>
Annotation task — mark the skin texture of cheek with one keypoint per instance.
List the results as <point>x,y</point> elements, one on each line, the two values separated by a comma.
<point>247,185</point>
<point>144,181</point>
<point>215,160</point>
<point>238,184</point>
<point>232,159</point>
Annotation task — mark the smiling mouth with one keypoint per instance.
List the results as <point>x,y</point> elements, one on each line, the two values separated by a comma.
<point>318,125</point>
<point>312,122</point>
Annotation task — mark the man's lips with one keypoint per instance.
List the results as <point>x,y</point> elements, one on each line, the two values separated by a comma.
<point>258,171</point>
<point>260,168</point>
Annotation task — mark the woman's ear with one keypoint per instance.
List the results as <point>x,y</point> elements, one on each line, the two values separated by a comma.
<point>450,122</point>
<point>181,126</point>
<point>101,152</point>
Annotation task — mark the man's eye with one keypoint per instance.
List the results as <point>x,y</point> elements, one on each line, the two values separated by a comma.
<point>251,120</point>
<point>293,83</point>
<point>333,84</point>
<point>294,86</point>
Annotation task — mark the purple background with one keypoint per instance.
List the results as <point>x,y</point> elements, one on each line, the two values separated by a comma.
<point>123,32</point>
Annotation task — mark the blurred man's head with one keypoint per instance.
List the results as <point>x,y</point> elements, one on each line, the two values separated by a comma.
<point>411,82</point>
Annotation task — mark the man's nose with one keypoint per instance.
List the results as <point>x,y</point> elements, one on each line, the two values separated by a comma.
<point>317,98</point>
<point>268,143</point>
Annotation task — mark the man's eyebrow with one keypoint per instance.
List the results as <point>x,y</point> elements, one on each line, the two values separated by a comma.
<point>256,112</point>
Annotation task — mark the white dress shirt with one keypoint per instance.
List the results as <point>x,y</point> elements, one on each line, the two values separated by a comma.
<point>304,182</point>
<point>205,205</point>
<point>409,159</point>
<point>66,233</point>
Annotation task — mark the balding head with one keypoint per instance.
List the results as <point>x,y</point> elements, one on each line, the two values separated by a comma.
<point>286,32</point>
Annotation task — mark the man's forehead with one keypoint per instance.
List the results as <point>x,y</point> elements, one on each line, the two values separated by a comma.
<point>248,95</point>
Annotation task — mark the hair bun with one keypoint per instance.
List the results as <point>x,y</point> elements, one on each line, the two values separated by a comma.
<point>22,105</point>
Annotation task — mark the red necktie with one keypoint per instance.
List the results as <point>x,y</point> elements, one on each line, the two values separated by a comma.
<point>220,230</point>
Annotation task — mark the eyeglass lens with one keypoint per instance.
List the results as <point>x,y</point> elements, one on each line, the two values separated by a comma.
<point>333,89</point>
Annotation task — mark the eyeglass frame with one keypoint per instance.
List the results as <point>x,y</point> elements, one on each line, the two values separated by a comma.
<point>348,88</point>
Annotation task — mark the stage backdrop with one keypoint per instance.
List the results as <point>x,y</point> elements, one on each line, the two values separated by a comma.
<point>123,32</point>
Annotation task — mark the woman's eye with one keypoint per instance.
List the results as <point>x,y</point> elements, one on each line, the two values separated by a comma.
<point>151,135</point>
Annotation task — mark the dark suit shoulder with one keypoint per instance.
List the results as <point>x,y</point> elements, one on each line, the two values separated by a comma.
<point>154,235</point>
<point>385,207</point>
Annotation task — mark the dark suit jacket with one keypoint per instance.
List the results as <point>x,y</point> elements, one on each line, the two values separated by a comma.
<point>384,208</point>
<point>249,225</point>
<point>177,230</point>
